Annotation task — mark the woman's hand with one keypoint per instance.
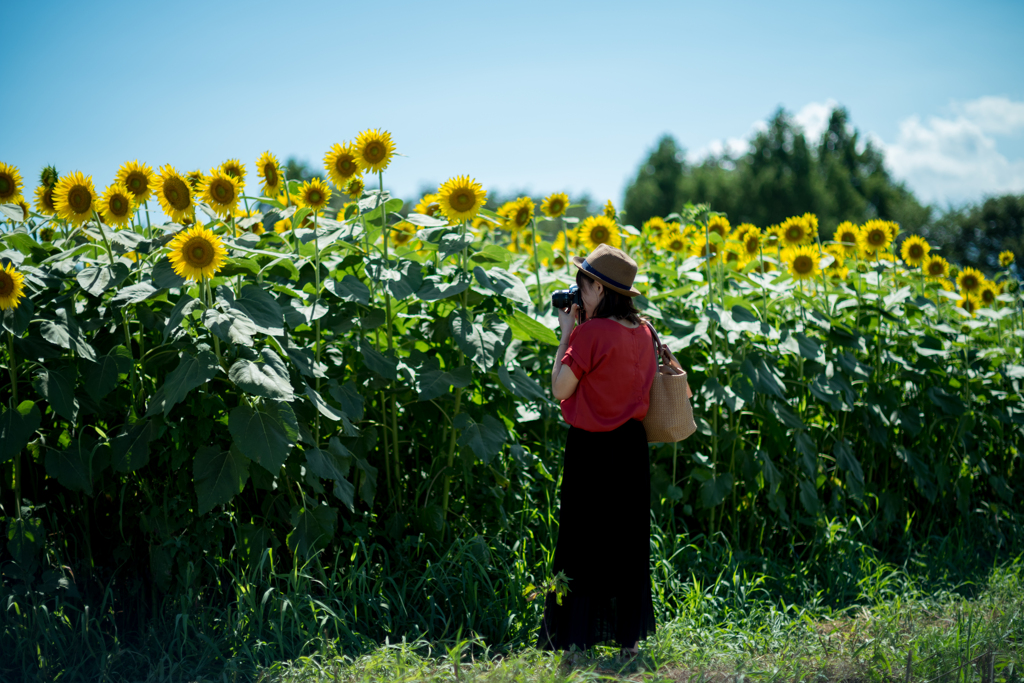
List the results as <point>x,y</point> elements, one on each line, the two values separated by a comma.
<point>567,320</point>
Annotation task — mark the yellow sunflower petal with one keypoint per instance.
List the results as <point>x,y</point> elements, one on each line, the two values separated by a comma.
<point>75,198</point>
<point>196,253</point>
<point>138,178</point>
<point>374,149</point>
<point>12,287</point>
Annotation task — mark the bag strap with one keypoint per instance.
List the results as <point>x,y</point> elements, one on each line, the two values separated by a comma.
<point>654,335</point>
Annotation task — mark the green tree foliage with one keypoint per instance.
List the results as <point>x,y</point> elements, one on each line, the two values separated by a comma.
<point>783,174</point>
<point>975,235</point>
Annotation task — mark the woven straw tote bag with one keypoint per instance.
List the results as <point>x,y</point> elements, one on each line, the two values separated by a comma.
<point>670,416</point>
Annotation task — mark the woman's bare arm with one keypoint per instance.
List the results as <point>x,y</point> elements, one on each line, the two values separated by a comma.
<point>563,381</point>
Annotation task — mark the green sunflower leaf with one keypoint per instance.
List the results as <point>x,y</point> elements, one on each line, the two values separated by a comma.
<point>218,476</point>
<point>264,434</point>
<point>16,429</point>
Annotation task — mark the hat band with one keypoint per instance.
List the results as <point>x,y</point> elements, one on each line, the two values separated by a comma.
<point>593,271</point>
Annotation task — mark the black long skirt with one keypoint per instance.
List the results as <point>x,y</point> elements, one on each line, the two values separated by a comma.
<point>604,532</point>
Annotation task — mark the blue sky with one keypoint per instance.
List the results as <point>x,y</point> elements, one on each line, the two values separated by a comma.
<point>539,96</point>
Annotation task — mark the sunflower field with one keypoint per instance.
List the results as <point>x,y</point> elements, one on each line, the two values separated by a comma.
<point>265,397</point>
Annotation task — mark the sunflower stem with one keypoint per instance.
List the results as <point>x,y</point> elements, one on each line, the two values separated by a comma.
<point>316,348</point>
<point>208,291</point>
<point>565,244</point>
<point>103,233</point>
<point>12,368</point>
<point>536,261</point>
<point>149,225</point>
<point>390,332</point>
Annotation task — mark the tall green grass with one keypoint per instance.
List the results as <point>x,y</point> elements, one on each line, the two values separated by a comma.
<point>718,608</point>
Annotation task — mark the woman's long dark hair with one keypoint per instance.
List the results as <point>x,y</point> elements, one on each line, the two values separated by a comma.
<point>613,303</point>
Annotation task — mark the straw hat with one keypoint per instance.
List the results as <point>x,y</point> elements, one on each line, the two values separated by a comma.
<point>611,267</point>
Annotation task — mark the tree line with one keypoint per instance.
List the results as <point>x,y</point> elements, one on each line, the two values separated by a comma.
<point>840,177</point>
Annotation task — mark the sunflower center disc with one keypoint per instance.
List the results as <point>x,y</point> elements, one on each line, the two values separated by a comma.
<point>802,265</point>
<point>5,185</point>
<point>177,194</point>
<point>222,192</point>
<point>600,235</point>
<point>79,199</point>
<point>373,152</point>
<point>314,197</point>
<point>118,206</point>
<point>463,200</point>
<point>6,284</point>
<point>199,252</point>
<point>271,174</point>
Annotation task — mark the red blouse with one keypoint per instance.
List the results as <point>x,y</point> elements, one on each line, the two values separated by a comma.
<point>615,366</point>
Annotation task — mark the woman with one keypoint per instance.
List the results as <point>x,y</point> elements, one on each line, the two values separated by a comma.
<point>602,375</point>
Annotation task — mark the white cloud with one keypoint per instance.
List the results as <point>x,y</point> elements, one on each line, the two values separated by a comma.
<point>813,118</point>
<point>956,159</point>
<point>996,115</point>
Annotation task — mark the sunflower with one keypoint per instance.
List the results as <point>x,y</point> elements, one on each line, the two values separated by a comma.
<point>47,234</point>
<point>461,198</point>
<point>354,188</point>
<point>315,194</point>
<point>235,169</point>
<point>74,198</point>
<point>221,191</point>
<point>1006,258</point>
<point>837,252</point>
<point>555,204</point>
<point>719,224</point>
<point>673,241</point>
<point>875,236</point>
<point>970,281</point>
<point>732,255</point>
<point>374,150</point>
<point>340,163</point>
<point>12,287</point>
<point>195,180</point>
<point>196,253</point>
<point>750,239</point>
<point>969,303</point>
<point>914,250</point>
<point>773,237</point>
<point>402,233</point>
<point>117,204</point>
<point>989,292</point>
<point>654,228</point>
<point>10,184</point>
<point>268,169</point>
<point>703,248</point>
<point>840,273</point>
<point>282,226</point>
<point>935,267</point>
<point>597,230</point>
<point>520,213</point>
<point>521,242</point>
<point>811,223</point>
<point>609,210</point>
<point>48,177</point>
<point>803,262</point>
<point>565,241</point>
<point>846,236</point>
<point>794,231</point>
<point>428,205</point>
<point>174,194</point>
<point>481,226</point>
<point>138,178</point>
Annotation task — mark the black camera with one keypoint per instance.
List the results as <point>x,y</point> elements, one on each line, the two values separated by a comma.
<point>565,298</point>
